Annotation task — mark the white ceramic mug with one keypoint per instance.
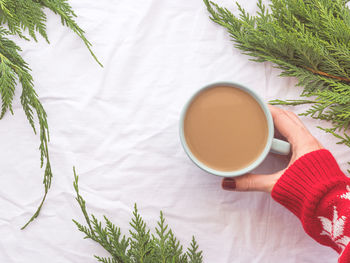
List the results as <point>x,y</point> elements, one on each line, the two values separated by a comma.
<point>272,144</point>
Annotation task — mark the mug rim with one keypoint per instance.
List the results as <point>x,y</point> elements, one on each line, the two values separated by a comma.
<point>257,161</point>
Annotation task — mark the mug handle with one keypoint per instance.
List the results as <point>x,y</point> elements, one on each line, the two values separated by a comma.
<point>280,147</point>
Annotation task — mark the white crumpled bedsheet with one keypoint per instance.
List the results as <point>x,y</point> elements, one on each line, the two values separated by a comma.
<point>119,126</point>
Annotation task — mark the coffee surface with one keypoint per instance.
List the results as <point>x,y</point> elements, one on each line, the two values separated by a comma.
<point>225,128</point>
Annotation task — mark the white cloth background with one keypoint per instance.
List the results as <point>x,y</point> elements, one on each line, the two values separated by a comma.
<point>119,126</point>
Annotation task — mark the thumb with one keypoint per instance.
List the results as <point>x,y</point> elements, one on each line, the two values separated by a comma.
<point>251,182</point>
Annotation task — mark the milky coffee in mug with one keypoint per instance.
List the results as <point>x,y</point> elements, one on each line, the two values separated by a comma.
<point>227,130</point>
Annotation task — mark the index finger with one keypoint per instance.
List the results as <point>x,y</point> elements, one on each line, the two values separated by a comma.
<point>288,124</point>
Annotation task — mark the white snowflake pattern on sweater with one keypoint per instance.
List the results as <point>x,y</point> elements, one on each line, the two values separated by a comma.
<point>335,228</point>
<point>347,194</point>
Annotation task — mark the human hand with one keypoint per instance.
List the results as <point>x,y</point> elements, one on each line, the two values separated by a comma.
<point>301,140</point>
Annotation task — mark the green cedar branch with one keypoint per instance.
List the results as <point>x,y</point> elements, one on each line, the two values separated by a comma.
<point>12,69</point>
<point>142,246</point>
<point>26,19</point>
<point>64,10</point>
<point>305,39</point>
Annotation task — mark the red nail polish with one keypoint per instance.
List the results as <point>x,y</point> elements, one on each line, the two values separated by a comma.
<point>229,184</point>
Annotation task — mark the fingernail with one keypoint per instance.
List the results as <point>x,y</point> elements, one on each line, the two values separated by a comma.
<point>229,184</point>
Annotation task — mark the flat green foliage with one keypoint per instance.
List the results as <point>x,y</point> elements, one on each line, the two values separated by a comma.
<point>306,39</point>
<point>142,246</point>
<point>26,19</point>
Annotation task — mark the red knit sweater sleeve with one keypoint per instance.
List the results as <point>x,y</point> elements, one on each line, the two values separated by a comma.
<point>318,193</point>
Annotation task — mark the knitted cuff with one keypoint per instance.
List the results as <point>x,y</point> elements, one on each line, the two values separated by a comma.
<point>306,181</point>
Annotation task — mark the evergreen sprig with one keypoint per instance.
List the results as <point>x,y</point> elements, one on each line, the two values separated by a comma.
<point>306,39</point>
<point>142,246</point>
<point>26,19</point>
